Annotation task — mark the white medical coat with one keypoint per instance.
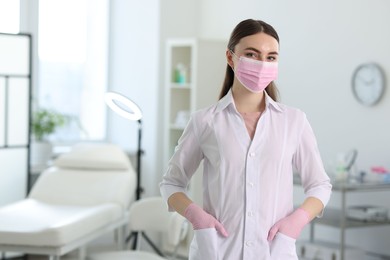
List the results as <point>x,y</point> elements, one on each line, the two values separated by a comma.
<point>247,184</point>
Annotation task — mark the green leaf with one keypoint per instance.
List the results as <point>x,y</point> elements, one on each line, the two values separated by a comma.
<point>46,122</point>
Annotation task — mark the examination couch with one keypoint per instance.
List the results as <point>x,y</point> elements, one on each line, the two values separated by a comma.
<point>84,195</point>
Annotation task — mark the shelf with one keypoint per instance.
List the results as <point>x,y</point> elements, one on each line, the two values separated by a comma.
<point>175,85</point>
<point>176,127</point>
<point>361,186</point>
<point>327,250</point>
<point>332,217</point>
<point>353,186</point>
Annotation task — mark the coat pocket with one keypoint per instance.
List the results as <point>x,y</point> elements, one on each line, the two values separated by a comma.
<point>283,248</point>
<point>204,244</point>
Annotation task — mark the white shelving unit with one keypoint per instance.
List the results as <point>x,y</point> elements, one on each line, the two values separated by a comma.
<point>205,65</point>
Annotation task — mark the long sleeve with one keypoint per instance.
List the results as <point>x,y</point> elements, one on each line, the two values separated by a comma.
<point>307,161</point>
<point>183,164</point>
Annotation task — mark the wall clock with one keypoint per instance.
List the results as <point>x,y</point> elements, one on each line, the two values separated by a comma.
<point>368,83</point>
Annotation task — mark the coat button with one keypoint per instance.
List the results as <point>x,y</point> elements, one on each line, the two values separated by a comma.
<point>248,243</point>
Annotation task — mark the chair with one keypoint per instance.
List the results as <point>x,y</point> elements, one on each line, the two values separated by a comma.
<point>85,194</point>
<point>150,214</point>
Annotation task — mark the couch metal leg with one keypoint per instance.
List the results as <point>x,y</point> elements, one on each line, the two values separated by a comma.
<point>120,237</point>
<point>82,253</point>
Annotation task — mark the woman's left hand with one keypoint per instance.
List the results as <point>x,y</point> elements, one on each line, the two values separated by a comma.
<point>291,225</point>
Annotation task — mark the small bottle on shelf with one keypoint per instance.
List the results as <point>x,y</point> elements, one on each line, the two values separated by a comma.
<point>180,73</point>
<point>341,170</point>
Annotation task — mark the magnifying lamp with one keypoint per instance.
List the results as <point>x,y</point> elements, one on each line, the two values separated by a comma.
<point>126,108</point>
<point>134,112</point>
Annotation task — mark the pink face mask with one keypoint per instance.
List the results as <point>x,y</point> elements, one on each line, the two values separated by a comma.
<point>255,75</point>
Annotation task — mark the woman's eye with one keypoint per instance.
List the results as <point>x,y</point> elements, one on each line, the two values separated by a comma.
<point>251,55</point>
<point>272,58</point>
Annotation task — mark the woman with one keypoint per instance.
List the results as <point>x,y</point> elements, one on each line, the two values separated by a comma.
<point>250,145</point>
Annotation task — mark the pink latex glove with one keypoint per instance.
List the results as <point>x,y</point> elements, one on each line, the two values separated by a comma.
<point>200,219</point>
<point>291,225</point>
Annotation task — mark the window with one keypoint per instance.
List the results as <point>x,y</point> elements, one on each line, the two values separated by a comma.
<point>9,16</point>
<point>73,56</point>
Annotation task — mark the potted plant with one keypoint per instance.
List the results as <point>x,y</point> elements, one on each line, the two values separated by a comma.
<point>44,123</point>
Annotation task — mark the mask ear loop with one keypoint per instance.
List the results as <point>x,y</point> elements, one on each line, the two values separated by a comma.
<point>233,54</point>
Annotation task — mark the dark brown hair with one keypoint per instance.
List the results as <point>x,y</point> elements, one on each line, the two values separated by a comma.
<point>243,29</point>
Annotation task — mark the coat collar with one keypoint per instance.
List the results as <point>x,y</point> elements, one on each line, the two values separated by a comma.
<point>228,100</point>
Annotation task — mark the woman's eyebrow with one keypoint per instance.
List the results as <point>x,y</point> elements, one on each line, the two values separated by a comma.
<point>256,50</point>
<point>252,49</point>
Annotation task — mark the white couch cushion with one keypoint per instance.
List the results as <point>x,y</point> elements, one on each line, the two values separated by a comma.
<point>99,156</point>
<point>30,222</point>
<point>84,187</point>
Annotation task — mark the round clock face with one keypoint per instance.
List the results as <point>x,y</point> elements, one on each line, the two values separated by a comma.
<point>368,83</point>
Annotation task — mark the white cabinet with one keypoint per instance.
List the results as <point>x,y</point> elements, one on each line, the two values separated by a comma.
<point>194,73</point>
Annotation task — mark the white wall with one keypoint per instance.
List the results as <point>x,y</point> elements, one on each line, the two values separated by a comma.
<point>138,33</point>
<point>29,24</point>
<point>133,71</point>
<point>178,19</point>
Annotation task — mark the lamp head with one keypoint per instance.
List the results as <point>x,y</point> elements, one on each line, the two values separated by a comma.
<point>112,99</point>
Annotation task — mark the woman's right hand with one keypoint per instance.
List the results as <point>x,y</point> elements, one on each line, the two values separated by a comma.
<point>200,219</point>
